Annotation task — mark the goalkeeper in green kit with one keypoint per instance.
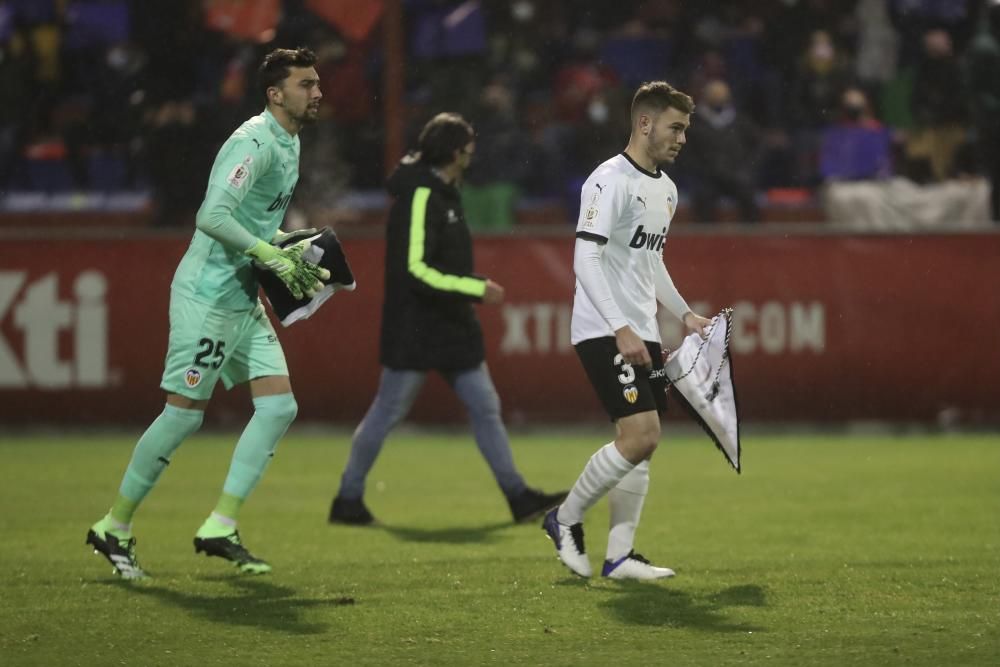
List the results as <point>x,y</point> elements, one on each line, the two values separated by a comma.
<point>218,327</point>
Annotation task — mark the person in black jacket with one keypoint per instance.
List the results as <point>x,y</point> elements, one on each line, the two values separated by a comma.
<point>725,152</point>
<point>428,322</point>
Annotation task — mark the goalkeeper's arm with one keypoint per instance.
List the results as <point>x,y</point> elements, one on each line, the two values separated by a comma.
<point>216,220</point>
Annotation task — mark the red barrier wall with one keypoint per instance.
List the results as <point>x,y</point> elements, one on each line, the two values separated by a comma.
<point>827,328</point>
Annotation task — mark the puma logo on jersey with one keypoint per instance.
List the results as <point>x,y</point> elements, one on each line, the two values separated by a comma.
<point>600,188</point>
<point>648,240</point>
<point>641,200</point>
<point>256,142</point>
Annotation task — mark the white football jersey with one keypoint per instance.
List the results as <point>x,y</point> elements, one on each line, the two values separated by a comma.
<point>629,209</point>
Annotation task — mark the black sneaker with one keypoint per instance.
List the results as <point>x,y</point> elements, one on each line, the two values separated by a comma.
<point>119,552</point>
<point>350,511</point>
<point>531,504</point>
<point>231,548</point>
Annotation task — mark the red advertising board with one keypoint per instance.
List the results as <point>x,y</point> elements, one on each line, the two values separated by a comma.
<point>827,328</point>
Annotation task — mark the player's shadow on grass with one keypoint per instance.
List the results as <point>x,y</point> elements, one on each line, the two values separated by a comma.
<point>451,535</point>
<point>258,603</point>
<point>642,603</point>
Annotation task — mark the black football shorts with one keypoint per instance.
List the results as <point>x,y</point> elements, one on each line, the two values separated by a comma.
<point>623,389</point>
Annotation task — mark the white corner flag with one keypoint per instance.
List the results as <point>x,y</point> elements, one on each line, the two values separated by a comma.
<point>701,371</point>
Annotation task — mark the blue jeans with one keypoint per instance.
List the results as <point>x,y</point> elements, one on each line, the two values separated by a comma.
<point>397,391</point>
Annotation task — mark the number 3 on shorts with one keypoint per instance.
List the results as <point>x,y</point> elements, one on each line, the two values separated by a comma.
<point>627,375</point>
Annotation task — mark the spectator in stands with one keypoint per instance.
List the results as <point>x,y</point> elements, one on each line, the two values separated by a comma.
<point>177,162</point>
<point>102,116</point>
<point>982,70</point>
<point>492,182</point>
<point>913,18</point>
<point>722,154</point>
<point>857,147</point>
<point>822,74</point>
<point>16,86</point>
<point>877,44</point>
<point>562,61</point>
<point>938,108</point>
<point>448,49</point>
<point>600,133</point>
<point>579,110</point>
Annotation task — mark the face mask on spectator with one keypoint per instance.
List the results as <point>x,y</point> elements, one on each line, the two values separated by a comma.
<point>853,112</point>
<point>117,58</point>
<point>598,112</point>
<point>523,11</point>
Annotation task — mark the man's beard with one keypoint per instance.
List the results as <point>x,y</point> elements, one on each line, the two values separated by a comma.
<point>307,117</point>
<point>660,155</point>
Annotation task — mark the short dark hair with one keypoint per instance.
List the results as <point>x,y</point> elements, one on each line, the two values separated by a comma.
<point>443,134</point>
<point>277,66</point>
<point>659,96</point>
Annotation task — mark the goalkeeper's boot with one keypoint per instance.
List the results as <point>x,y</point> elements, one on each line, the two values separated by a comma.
<point>231,548</point>
<point>350,511</point>
<point>568,541</point>
<point>118,548</point>
<point>634,566</point>
<point>531,504</point>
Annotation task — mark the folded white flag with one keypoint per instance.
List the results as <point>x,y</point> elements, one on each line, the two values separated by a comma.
<point>701,371</point>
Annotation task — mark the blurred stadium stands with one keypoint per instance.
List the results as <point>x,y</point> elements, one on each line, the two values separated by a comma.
<point>102,97</point>
<point>111,112</point>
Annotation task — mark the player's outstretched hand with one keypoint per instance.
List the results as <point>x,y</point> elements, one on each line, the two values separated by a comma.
<point>302,278</point>
<point>697,324</point>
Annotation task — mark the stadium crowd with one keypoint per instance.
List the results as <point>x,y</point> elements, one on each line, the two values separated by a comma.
<point>113,95</point>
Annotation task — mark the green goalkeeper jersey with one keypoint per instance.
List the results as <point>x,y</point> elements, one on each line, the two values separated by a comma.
<point>251,182</point>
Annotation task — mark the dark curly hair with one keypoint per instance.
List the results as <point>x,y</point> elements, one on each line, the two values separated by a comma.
<point>277,65</point>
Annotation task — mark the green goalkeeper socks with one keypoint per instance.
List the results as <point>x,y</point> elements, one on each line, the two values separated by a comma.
<point>220,525</point>
<point>151,456</point>
<point>271,418</point>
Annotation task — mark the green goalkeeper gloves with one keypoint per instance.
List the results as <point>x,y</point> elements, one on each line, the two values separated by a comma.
<point>302,278</point>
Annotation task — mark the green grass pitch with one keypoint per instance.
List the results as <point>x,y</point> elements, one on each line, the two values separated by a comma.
<point>825,551</point>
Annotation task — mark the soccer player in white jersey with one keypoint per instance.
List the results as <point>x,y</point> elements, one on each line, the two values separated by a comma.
<point>626,207</point>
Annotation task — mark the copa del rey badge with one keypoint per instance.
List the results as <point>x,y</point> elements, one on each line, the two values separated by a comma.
<point>701,372</point>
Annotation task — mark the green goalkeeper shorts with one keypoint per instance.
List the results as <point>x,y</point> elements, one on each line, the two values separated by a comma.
<point>208,343</point>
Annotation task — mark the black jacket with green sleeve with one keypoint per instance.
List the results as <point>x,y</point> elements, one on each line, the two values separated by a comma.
<point>428,320</point>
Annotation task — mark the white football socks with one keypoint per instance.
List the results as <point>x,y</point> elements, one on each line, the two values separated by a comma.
<point>603,471</point>
<point>624,508</point>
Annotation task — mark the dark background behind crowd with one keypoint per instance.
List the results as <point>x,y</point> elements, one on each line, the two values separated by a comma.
<point>113,96</point>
